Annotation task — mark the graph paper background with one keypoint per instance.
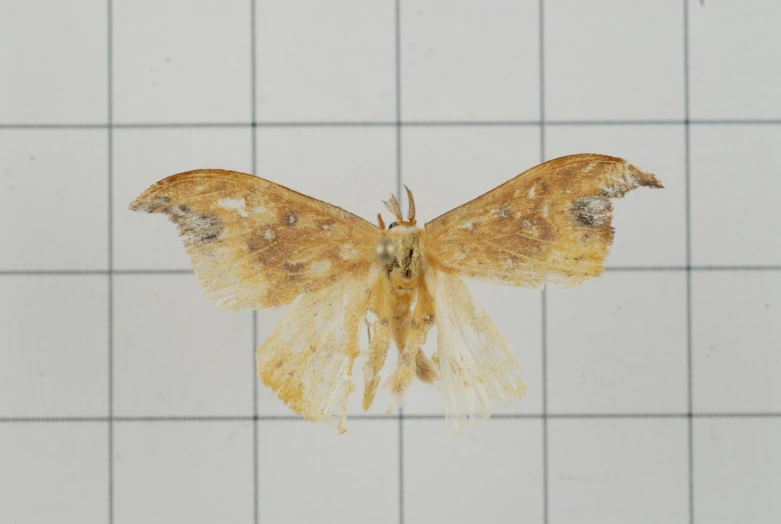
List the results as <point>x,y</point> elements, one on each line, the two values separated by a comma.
<point>654,392</point>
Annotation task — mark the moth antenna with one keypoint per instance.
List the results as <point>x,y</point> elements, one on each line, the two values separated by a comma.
<point>410,206</point>
<point>393,207</point>
<point>380,222</point>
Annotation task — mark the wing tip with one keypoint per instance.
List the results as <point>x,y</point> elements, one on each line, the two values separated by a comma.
<point>643,178</point>
<point>150,201</point>
<point>147,202</point>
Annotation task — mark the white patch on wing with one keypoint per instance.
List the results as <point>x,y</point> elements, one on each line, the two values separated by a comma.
<point>321,266</point>
<point>235,205</point>
<point>630,179</point>
<point>258,209</point>
<point>269,234</point>
<point>347,252</point>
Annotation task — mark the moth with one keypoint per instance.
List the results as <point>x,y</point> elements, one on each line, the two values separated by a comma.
<point>255,244</point>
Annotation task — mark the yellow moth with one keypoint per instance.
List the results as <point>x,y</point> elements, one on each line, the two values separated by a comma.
<point>255,244</point>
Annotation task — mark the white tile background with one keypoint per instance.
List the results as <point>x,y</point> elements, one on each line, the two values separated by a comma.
<point>653,391</point>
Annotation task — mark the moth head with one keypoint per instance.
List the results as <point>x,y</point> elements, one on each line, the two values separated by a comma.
<point>392,205</point>
<point>385,250</point>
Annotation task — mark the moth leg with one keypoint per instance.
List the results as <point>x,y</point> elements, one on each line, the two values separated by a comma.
<point>425,368</point>
<point>413,362</point>
<point>378,343</point>
<point>368,334</point>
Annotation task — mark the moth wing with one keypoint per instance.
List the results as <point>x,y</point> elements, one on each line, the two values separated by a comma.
<point>475,366</point>
<point>551,223</point>
<point>255,244</point>
<point>307,360</point>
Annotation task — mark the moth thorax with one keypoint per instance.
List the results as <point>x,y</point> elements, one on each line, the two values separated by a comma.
<point>385,250</point>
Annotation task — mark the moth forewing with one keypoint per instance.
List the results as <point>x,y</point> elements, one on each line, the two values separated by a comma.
<point>255,244</point>
<point>550,224</point>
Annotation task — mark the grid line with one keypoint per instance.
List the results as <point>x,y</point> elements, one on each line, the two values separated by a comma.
<point>687,200</point>
<point>543,293</point>
<point>433,123</point>
<point>253,367</point>
<point>110,257</point>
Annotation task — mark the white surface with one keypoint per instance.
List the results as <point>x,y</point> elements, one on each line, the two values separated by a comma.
<point>469,61</point>
<point>619,471</point>
<point>325,61</point>
<point>607,361</point>
<point>176,478</point>
<point>618,61</point>
<point>180,61</point>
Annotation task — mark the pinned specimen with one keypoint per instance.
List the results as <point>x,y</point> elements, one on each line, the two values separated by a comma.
<point>255,244</point>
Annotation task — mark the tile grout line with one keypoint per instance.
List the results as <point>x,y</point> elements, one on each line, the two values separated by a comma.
<point>110,280</point>
<point>465,123</point>
<point>543,293</point>
<point>687,170</point>
<point>254,163</point>
<point>397,123</point>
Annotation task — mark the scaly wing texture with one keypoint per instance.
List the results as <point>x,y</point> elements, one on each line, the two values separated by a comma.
<point>308,358</point>
<point>551,223</point>
<point>475,366</point>
<point>255,244</point>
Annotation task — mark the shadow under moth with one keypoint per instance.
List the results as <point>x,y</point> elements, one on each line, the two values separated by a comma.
<point>255,244</point>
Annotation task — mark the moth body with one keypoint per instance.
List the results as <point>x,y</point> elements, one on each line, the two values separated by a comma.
<point>401,263</point>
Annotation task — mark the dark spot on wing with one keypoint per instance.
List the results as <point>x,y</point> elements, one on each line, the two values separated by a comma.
<point>293,268</point>
<point>179,211</point>
<point>592,211</point>
<point>201,229</point>
<point>256,241</point>
<point>198,229</point>
<point>503,213</point>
